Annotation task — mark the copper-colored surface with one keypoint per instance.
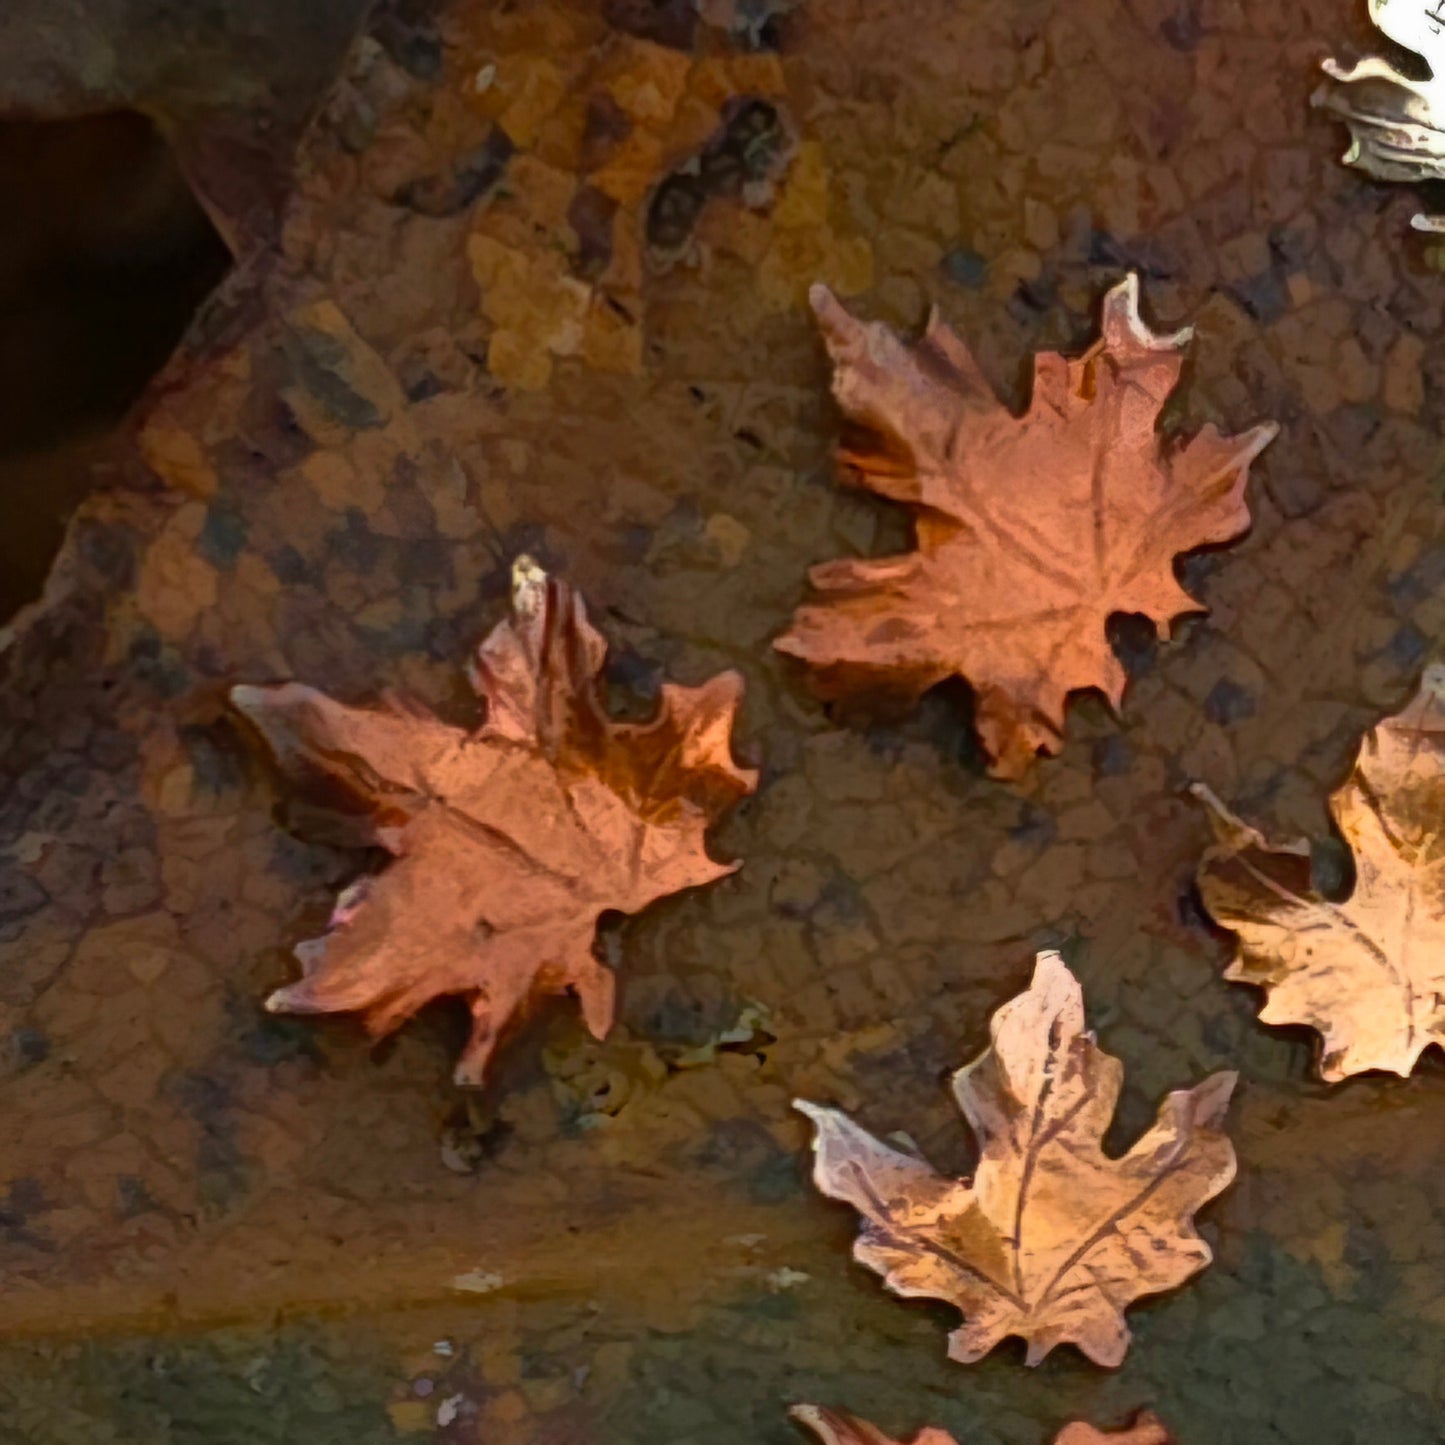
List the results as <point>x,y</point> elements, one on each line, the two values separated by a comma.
<point>1147,1429</point>
<point>1032,531</point>
<point>837,1427</point>
<point>1051,1238</point>
<point>1368,973</point>
<point>510,840</point>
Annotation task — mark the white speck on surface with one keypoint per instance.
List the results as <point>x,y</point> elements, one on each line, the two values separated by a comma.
<point>478,1281</point>
<point>785,1278</point>
<point>486,77</point>
<point>450,1408</point>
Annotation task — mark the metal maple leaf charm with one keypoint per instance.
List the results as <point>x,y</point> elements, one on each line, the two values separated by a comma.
<point>1051,1238</point>
<point>837,1427</point>
<point>1032,531</point>
<point>1367,973</point>
<point>1397,125</point>
<point>509,840</point>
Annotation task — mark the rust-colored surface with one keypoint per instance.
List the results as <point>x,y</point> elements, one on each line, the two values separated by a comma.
<point>837,1427</point>
<point>1033,531</point>
<point>232,1225</point>
<point>510,840</point>
<point>1050,1239</point>
<point>1368,971</point>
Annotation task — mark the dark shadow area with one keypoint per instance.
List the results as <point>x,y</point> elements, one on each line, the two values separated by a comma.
<point>105,254</point>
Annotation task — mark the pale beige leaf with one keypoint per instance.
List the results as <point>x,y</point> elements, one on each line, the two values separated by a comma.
<point>837,1427</point>
<point>1367,973</point>
<point>1051,1239</point>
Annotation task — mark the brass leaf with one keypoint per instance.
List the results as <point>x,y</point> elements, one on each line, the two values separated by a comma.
<point>1367,973</point>
<point>1051,1238</point>
<point>838,1427</point>
<point>1397,125</point>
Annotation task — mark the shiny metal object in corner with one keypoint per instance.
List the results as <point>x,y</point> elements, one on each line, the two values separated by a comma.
<point>1397,125</point>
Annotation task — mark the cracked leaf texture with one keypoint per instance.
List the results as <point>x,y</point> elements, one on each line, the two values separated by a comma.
<point>1051,1239</point>
<point>1367,973</point>
<point>510,840</point>
<point>837,1427</point>
<point>1031,531</point>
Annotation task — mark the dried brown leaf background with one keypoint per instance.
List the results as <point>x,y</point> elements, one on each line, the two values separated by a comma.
<point>882,885</point>
<point>1051,1239</point>
<point>1368,973</point>
<point>508,841</point>
<point>1032,531</point>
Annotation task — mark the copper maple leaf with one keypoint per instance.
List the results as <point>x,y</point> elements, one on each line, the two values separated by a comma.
<point>1369,972</point>
<point>837,1427</point>
<point>1051,1238</point>
<point>509,840</point>
<point>1032,531</point>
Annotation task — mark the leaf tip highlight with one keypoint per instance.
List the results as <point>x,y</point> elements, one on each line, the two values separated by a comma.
<point>529,586</point>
